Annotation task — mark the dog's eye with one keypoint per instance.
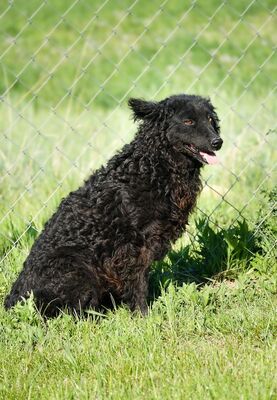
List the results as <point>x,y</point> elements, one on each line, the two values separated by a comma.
<point>210,119</point>
<point>188,122</point>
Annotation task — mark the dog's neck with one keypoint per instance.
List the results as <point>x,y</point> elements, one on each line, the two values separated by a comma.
<point>166,157</point>
<point>162,164</point>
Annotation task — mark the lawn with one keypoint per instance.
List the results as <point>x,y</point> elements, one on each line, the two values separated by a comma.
<point>68,68</point>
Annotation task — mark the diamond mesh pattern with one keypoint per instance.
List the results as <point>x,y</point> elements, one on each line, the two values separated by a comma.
<point>71,66</point>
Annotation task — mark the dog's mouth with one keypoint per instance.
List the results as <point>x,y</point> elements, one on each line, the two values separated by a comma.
<point>205,157</point>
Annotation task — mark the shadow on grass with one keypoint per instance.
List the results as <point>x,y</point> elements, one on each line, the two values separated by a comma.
<point>213,254</point>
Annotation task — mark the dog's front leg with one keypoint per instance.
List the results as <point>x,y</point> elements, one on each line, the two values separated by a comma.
<point>136,291</point>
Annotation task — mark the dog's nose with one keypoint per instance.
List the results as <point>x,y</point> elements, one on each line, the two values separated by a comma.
<point>216,143</point>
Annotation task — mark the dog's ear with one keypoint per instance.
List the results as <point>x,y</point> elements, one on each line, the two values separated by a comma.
<point>143,109</point>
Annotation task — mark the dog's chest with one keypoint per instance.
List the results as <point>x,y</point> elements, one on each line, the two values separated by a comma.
<point>183,194</point>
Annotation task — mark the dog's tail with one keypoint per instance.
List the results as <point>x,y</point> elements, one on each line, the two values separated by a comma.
<point>17,293</point>
<point>10,301</point>
<point>46,301</point>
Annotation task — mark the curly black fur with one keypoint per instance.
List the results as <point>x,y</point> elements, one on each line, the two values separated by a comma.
<point>104,236</point>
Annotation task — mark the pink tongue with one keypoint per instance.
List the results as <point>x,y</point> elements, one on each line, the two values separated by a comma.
<point>211,159</point>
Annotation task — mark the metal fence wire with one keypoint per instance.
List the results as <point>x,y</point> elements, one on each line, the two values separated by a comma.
<point>68,68</point>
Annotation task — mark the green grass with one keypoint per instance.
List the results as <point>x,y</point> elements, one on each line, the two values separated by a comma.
<point>194,344</point>
<point>128,35</point>
<point>211,330</point>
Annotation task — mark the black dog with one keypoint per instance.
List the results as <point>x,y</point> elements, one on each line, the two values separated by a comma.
<point>104,236</point>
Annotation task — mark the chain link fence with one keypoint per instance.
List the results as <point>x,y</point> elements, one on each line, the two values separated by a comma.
<point>68,68</point>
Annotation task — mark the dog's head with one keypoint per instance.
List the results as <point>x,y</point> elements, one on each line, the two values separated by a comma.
<point>190,123</point>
